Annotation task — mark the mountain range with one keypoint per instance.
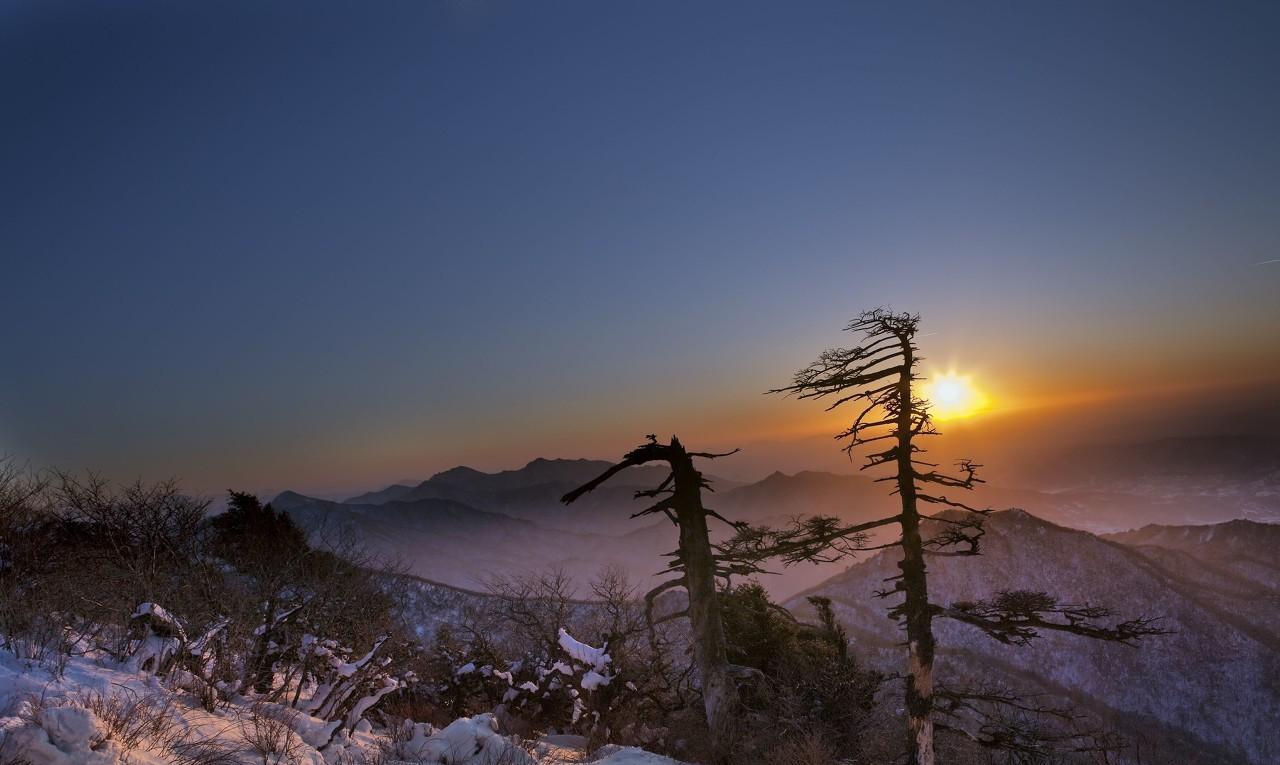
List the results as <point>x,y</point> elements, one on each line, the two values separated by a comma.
<point>462,524</point>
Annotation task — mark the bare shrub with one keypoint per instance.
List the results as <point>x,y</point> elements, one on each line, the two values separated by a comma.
<point>268,731</point>
<point>802,749</point>
<point>9,754</point>
<point>381,752</point>
<point>394,743</point>
<point>147,724</point>
<point>527,610</point>
<point>28,560</point>
<point>133,721</point>
<point>351,756</point>
<point>210,751</point>
<point>211,699</point>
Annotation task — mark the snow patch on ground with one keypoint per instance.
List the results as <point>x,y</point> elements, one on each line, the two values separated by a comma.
<point>46,720</point>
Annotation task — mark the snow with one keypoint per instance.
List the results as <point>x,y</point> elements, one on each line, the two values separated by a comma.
<point>157,613</point>
<point>45,720</point>
<point>350,668</point>
<point>630,755</point>
<point>72,728</point>
<point>581,652</point>
<point>472,741</point>
<point>65,736</point>
<point>593,680</point>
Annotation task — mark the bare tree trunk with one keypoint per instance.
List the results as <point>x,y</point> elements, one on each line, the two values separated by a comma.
<point>704,606</point>
<point>259,673</point>
<point>697,567</point>
<point>915,587</point>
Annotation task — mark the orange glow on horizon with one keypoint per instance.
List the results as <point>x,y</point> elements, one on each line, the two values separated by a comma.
<point>953,396</point>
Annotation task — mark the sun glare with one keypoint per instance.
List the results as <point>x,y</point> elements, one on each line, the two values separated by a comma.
<point>953,396</point>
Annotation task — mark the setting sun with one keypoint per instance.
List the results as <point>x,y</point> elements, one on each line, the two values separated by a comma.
<point>953,396</point>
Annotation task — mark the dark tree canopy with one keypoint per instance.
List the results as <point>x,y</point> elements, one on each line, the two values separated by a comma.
<point>249,532</point>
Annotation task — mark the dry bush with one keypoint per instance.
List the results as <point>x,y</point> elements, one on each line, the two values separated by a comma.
<point>352,756</point>
<point>210,751</point>
<point>802,749</point>
<point>267,730</point>
<point>209,696</point>
<point>393,744</point>
<point>133,721</point>
<point>516,752</point>
<point>9,754</point>
<point>386,749</point>
<point>31,590</point>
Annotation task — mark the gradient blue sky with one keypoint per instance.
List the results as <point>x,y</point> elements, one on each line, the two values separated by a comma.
<point>325,245</point>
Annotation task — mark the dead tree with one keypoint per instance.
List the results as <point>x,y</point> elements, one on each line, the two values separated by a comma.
<point>877,378</point>
<point>694,566</point>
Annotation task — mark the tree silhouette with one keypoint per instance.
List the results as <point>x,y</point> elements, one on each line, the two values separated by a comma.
<point>877,379</point>
<point>695,566</point>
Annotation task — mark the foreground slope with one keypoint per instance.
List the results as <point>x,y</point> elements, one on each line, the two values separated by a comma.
<point>74,718</point>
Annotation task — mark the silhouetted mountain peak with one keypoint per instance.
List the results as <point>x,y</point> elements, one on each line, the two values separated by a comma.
<point>459,474</point>
<point>287,500</point>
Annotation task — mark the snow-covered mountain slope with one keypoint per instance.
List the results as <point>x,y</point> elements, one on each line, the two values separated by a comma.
<point>97,713</point>
<point>1214,678</point>
<point>1233,565</point>
<point>1241,547</point>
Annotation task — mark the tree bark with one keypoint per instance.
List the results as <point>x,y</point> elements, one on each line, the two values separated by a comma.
<point>704,607</point>
<point>915,607</point>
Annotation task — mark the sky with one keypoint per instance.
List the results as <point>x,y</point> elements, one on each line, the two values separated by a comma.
<point>333,245</point>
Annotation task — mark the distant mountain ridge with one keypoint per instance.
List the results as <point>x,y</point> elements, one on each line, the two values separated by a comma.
<point>1237,458</point>
<point>533,492</point>
<point>459,545</point>
<point>1105,488</point>
<point>594,532</point>
<point>536,472</point>
<point>390,494</point>
<point>599,527</point>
